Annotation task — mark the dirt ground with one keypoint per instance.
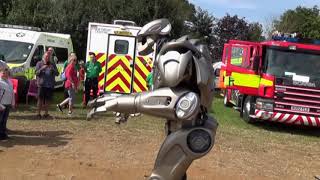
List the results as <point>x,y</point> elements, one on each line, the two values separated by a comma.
<point>75,149</point>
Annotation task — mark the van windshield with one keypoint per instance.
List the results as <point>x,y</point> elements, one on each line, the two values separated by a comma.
<point>14,51</point>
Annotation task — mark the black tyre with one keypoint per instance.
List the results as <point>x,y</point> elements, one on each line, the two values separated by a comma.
<point>247,110</point>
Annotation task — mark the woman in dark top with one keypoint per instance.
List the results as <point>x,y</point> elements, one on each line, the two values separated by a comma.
<point>46,72</point>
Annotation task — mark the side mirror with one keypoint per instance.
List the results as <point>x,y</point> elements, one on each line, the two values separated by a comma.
<point>256,63</point>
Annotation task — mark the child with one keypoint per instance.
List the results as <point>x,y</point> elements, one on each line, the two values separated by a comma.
<point>6,100</point>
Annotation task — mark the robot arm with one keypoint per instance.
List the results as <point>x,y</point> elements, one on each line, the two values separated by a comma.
<point>169,103</point>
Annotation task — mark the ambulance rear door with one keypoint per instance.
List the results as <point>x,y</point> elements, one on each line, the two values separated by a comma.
<point>120,63</point>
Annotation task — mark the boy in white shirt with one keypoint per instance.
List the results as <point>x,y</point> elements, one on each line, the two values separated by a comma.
<point>6,100</point>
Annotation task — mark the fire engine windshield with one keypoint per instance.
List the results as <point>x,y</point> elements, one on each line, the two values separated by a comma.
<point>14,51</point>
<point>282,63</point>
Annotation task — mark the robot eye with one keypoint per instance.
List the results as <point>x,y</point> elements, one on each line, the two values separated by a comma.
<point>143,40</point>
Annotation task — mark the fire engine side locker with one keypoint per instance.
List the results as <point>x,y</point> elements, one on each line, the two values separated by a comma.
<point>120,64</point>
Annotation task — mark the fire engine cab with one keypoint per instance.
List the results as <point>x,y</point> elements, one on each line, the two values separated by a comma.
<point>123,69</point>
<point>276,80</point>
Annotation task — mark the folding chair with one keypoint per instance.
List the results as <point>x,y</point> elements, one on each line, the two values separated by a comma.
<point>15,89</point>
<point>32,90</point>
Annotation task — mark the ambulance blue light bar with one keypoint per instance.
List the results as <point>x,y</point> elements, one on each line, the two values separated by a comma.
<point>296,40</point>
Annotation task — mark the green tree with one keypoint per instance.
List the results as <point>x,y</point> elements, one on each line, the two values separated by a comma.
<point>255,32</point>
<point>233,27</point>
<point>72,16</point>
<point>203,23</point>
<point>31,12</point>
<point>5,8</point>
<point>226,28</point>
<point>302,20</point>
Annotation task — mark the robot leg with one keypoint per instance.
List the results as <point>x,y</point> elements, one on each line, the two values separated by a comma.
<point>181,148</point>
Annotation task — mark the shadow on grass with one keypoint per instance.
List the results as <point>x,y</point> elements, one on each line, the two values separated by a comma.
<point>36,138</point>
<point>78,114</point>
<point>33,117</point>
<point>285,128</point>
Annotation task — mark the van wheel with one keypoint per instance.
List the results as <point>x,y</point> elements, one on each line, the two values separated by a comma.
<point>246,109</point>
<point>226,102</point>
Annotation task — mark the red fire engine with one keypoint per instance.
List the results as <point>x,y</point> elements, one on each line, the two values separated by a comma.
<point>275,80</point>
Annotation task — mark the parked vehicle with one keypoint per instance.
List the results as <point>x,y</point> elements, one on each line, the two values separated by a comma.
<point>276,80</point>
<point>22,47</point>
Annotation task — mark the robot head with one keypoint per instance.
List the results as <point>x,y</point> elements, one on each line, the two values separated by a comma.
<point>150,33</point>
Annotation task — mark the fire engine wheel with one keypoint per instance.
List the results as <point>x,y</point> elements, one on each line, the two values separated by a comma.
<point>246,111</point>
<point>226,102</point>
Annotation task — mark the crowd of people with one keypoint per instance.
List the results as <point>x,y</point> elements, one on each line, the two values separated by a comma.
<point>46,70</point>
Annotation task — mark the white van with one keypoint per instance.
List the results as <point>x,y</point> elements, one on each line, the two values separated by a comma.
<point>22,47</point>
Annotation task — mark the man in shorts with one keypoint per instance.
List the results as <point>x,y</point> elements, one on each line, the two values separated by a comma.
<point>46,72</point>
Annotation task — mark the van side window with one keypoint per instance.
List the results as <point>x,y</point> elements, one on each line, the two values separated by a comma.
<point>121,47</point>
<point>61,54</point>
<point>37,55</point>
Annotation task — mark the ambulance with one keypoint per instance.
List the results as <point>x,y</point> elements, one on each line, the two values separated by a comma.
<point>22,47</point>
<point>124,71</point>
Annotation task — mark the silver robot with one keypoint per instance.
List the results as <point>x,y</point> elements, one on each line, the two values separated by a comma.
<point>182,95</point>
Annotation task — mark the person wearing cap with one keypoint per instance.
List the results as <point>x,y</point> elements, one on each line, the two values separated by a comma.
<point>92,69</point>
<point>6,100</point>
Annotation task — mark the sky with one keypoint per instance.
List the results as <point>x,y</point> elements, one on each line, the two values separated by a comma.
<point>262,11</point>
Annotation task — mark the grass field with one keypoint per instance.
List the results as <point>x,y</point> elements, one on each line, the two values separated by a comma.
<point>230,122</point>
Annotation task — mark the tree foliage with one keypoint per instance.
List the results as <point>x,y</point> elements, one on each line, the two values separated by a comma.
<point>5,8</point>
<point>72,17</point>
<point>302,20</point>
<point>203,23</point>
<point>233,27</point>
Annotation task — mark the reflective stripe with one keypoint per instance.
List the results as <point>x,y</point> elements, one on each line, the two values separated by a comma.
<point>266,82</point>
<point>305,120</point>
<point>284,118</point>
<point>143,66</point>
<point>313,121</point>
<point>14,65</point>
<point>119,74</point>
<point>276,117</point>
<point>246,80</point>
<point>227,81</point>
<point>293,119</point>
